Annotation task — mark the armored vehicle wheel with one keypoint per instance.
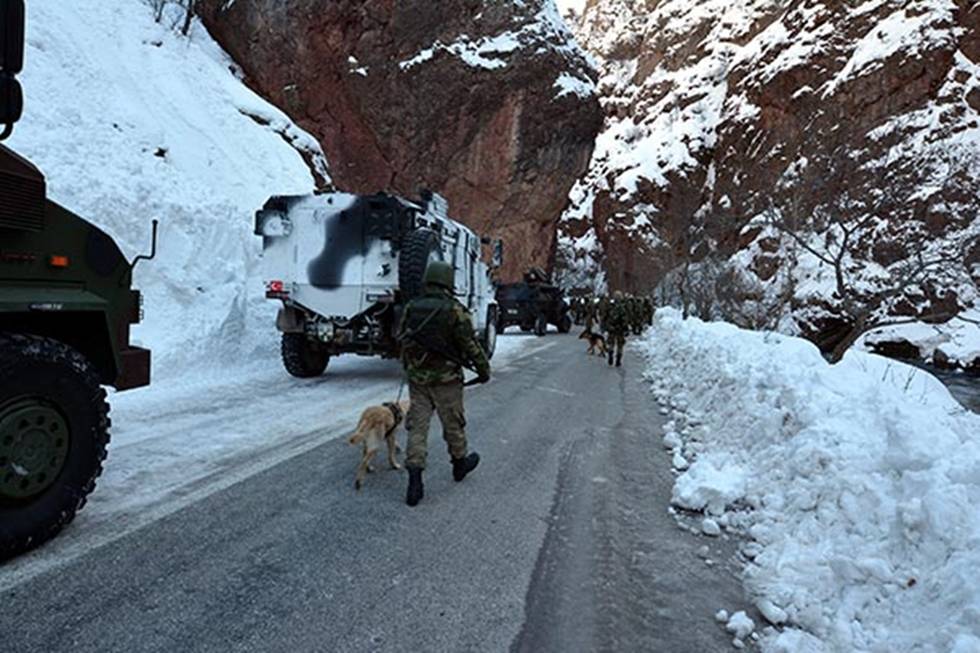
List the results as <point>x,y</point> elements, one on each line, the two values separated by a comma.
<point>490,333</point>
<point>54,428</point>
<point>302,358</point>
<point>541,326</point>
<point>527,327</point>
<point>420,248</point>
<point>565,324</point>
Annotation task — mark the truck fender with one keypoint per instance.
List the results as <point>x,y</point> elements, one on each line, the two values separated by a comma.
<point>289,320</point>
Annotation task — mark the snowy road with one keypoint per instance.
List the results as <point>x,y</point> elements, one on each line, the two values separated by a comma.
<point>256,541</point>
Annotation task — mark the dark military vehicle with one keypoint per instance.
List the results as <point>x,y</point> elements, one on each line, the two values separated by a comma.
<point>532,304</point>
<point>66,306</point>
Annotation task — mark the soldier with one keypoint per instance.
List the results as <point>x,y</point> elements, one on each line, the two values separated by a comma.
<point>437,343</point>
<point>648,311</point>
<point>636,310</point>
<point>617,327</point>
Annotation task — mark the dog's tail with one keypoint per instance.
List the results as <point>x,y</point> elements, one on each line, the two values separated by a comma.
<point>358,437</point>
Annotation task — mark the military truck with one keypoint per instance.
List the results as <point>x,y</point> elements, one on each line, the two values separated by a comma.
<point>344,266</point>
<point>66,306</point>
<point>533,304</point>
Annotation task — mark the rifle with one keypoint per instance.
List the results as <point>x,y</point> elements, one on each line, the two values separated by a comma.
<point>436,347</point>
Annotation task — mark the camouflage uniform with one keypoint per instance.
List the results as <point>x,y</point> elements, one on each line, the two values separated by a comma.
<point>433,360</point>
<point>636,315</point>
<point>617,325</point>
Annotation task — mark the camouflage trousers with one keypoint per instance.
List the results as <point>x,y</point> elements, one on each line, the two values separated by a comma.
<point>614,345</point>
<point>446,400</point>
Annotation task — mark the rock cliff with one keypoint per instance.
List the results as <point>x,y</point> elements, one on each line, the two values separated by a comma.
<point>491,104</point>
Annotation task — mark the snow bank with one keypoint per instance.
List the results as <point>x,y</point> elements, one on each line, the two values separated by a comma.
<point>131,121</point>
<point>856,485</point>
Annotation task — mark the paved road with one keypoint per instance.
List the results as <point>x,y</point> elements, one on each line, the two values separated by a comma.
<point>559,542</point>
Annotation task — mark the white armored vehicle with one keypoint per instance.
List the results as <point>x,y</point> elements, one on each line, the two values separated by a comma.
<point>344,266</point>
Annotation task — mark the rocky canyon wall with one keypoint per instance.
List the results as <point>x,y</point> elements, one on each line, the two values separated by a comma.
<point>490,103</point>
<point>720,115</point>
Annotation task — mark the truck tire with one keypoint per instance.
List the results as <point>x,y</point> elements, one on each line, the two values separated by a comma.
<point>565,323</point>
<point>54,429</point>
<point>489,340</point>
<point>419,249</point>
<point>302,358</point>
<point>541,326</point>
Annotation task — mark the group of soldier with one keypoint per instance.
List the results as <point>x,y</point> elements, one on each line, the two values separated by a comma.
<point>617,316</point>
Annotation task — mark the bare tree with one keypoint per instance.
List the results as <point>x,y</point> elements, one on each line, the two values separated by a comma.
<point>187,10</point>
<point>188,16</point>
<point>840,232</point>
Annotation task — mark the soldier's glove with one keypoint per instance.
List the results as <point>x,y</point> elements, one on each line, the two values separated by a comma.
<point>479,380</point>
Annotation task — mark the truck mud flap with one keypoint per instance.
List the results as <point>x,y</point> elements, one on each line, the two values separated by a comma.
<point>134,368</point>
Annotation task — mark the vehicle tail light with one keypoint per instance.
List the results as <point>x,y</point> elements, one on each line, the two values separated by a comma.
<point>58,261</point>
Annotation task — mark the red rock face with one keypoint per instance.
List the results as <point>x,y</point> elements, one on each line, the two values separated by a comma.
<point>487,103</point>
<point>716,111</point>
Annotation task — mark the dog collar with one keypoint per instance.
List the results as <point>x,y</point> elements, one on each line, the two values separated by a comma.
<point>396,412</point>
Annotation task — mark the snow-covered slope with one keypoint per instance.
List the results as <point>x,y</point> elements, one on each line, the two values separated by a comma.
<point>131,121</point>
<point>857,485</point>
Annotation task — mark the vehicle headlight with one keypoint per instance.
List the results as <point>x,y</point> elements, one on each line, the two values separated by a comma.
<point>272,224</point>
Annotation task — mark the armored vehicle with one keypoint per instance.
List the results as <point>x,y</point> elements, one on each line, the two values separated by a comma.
<point>66,306</point>
<point>344,266</point>
<point>533,305</point>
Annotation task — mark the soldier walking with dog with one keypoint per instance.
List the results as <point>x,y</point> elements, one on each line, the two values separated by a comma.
<point>617,325</point>
<point>438,342</point>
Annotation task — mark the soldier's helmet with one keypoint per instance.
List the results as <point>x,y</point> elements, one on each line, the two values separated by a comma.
<point>618,295</point>
<point>439,273</point>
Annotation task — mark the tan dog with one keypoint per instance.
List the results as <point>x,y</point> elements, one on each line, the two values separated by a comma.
<point>377,426</point>
<point>597,343</point>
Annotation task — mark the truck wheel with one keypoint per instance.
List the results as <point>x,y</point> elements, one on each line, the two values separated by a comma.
<point>302,358</point>
<point>541,326</point>
<point>490,333</point>
<point>419,249</point>
<point>565,324</point>
<point>54,428</point>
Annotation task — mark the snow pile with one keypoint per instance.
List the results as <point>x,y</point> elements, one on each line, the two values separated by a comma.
<point>856,484</point>
<point>131,121</point>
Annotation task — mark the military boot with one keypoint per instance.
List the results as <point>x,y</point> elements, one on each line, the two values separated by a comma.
<point>415,488</point>
<point>611,357</point>
<point>463,466</point>
<point>619,360</point>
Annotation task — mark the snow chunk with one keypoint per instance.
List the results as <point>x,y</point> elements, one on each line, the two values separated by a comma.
<point>705,486</point>
<point>740,625</point>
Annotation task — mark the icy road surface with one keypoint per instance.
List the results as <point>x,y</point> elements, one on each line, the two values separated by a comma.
<point>227,521</point>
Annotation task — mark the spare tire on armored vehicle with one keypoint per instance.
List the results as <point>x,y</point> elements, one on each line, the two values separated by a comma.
<point>419,249</point>
<point>344,266</point>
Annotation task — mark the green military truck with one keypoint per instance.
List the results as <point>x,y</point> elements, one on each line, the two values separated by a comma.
<point>66,306</point>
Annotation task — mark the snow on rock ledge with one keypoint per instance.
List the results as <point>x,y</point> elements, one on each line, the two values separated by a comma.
<point>859,488</point>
